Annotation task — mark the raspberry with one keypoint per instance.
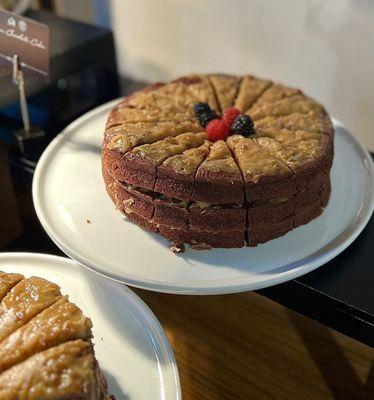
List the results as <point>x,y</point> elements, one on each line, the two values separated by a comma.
<point>229,115</point>
<point>217,129</point>
<point>243,125</point>
<point>204,113</point>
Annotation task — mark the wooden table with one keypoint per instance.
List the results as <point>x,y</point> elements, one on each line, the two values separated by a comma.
<point>244,346</point>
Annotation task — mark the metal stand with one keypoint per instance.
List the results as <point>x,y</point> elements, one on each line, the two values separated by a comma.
<point>27,136</point>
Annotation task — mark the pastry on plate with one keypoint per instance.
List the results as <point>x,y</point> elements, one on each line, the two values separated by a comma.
<point>46,349</point>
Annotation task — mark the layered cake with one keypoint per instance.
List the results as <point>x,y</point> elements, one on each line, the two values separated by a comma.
<point>45,344</point>
<point>218,160</point>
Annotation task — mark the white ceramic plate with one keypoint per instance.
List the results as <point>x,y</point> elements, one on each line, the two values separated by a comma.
<point>130,344</point>
<point>68,191</point>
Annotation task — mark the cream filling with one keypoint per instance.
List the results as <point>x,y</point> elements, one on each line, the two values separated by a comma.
<point>196,204</point>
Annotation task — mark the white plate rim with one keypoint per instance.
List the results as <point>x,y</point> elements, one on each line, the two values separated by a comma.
<point>154,327</point>
<point>296,269</point>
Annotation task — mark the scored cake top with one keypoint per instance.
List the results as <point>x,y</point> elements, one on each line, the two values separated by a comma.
<point>158,128</point>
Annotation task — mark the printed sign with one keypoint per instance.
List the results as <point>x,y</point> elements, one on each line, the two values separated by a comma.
<point>26,38</point>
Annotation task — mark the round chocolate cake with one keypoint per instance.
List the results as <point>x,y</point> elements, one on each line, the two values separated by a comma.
<point>218,160</point>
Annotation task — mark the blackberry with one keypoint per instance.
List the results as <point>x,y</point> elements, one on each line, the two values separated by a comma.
<point>201,108</point>
<point>204,113</point>
<point>243,125</point>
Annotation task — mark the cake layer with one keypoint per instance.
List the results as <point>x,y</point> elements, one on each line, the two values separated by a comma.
<point>262,231</point>
<point>203,240</point>
<point>256,233</point>
<point>221,226</point>
<point>204,216</point>
<point>171,212</point>
<point>200,240</point>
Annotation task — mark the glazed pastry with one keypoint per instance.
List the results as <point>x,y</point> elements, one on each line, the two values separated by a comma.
<point>45,344</point>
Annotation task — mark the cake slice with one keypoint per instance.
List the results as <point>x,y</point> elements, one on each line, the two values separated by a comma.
<point>199,86</point>
<point>286,106</point>
<point>175,97</point>
<point>226,88</point>
<point>260,168</point>
<point>7,281</point>
<point>45,346</point>
<point>218,179</point>
<point>275,93</point>
<point>126,136</point>
<point>296,153</point>
<point>67,371</point>
<point>176,175</point>
<point>250,90</point>
<point>320,123</point>
<point>121,115</point>
<point>25,300</point>
<point>59,323</point>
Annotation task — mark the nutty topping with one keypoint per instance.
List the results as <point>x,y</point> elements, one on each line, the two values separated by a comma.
<point>220,159</point>
<point>250,90</point>
<point>170,146</point>
<point>255,161</point>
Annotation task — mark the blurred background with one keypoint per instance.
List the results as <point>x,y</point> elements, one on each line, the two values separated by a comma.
<point>325,47</point>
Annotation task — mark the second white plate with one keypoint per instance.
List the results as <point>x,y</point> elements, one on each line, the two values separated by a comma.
<point>75,210</point>
<point>130,344</point>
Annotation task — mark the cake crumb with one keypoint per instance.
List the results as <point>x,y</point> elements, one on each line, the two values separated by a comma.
<point>177,247</point>
<point>127,205</point>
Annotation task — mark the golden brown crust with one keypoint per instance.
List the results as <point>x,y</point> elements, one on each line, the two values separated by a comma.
<point>226,88</point>
<point>7,281</point>
<point>45,345</point>
<point>27,299</point>
<point>62,372</point>
<point>127,136</point>
<point>251,89</point>
<point>218,179</point>
<point>59,323</point>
